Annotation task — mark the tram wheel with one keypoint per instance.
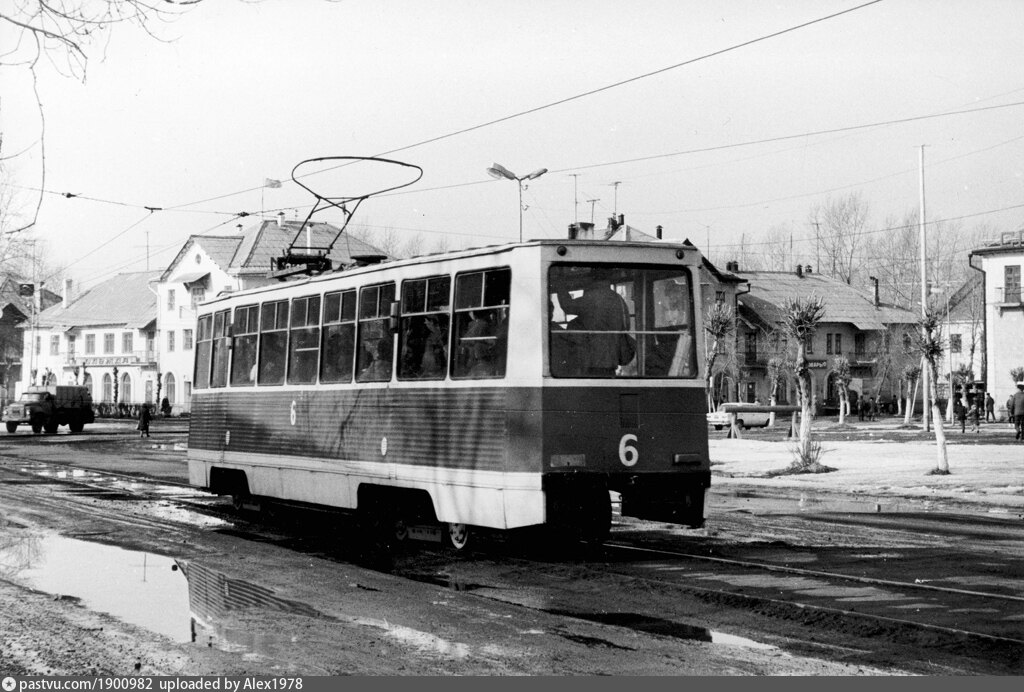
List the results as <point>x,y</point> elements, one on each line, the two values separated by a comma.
<point>401,530</point>
<point>455,535</point>
<point>239,500</point>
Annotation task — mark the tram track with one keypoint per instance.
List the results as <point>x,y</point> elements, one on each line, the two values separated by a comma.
<point>622,561</point>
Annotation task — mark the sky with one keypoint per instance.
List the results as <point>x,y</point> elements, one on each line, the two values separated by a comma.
<point>688,115</point>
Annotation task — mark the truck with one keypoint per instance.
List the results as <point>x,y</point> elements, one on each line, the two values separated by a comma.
<point>46,408</point>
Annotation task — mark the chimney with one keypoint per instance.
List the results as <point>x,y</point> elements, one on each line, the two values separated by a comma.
<point>875,282</point>
<point>586,230</point>
<point>622,219</point>
<point>657,232</point>
<point>66,300</point>
<point>574,231</point>
<point>800,271</point>
<point>807,269</point>
<point>280,219</point>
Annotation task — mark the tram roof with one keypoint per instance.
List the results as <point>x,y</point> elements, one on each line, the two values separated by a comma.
<point>478,251</point>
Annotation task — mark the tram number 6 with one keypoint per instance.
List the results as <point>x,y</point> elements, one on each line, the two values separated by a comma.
<point>292,415</point>
<point>628,453</point>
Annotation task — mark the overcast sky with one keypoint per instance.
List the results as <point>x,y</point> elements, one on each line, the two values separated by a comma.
<point>239,92</point>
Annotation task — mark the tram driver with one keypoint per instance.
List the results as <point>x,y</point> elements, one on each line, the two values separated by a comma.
<point>599,309</point>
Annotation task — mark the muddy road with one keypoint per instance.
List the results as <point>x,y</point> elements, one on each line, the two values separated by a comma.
<point>110,564</point>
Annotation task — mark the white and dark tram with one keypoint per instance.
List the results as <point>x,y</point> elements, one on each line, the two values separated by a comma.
<point>501,387</point>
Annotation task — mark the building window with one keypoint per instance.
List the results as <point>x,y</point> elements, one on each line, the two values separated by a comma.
<point>859,344</point>
<point>809,343</point>
<point>839,344</point>
<point>125,391</point>
<point>1011,290</point>
<point>108,388</point>
<point>170,299</point>
<point>751,344</point>
<point>828,344</point>
<point>90,344</point>
<point>55,345</point>
<point>197,295</point>
<point>186,339</point>
<point>108,343</point>
<point>170,341</point>
<point>719,296</point>
<point>127,342</point>
<point>955,343</point>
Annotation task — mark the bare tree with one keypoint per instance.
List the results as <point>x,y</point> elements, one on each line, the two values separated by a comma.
<point>840,225</point>
<point>911,377</point>
<point>775,371</point>
<point>719,325</point>
<point>842,375</point>
<point>800,321</point>
<point>772,253</point>
<point>929,344</point>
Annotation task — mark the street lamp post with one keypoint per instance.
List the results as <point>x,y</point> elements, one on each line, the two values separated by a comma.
<point>498,171</point>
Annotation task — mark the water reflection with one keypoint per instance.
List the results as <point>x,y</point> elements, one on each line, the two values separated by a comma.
<point>136,587</point>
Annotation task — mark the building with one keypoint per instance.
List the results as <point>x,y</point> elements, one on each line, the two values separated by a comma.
<point>19,303</point>
<point>208,265</point>
<point>963,324</point>
<point>103,339</point>
<point>999,263</point>
<point>871,336</point>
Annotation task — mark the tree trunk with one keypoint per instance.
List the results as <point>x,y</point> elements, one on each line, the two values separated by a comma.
<point>942,466</point>
<point>844,405</point>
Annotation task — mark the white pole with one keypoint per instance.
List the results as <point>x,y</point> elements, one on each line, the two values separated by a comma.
<point>924,297</point>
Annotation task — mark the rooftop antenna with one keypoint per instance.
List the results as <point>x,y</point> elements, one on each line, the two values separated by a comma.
<point>592,202</point>
<point>575,200</point>
<point>615,208</point>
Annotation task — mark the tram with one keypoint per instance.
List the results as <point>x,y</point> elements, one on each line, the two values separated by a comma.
<point>501,387</point>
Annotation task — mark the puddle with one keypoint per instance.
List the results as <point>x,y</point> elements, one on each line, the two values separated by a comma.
<point>664,628</point>
<point>136,587</point>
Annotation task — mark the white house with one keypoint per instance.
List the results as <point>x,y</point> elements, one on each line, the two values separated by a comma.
<point>208,265</point>
<point>1000,263</point>
<point>103,339</point>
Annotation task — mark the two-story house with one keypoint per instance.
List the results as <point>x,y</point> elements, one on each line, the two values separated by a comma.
<point>869,334</point>
<point>103,338</point>
<point>20,301</point>
<point>208,265</point>
<point>1000,261</point>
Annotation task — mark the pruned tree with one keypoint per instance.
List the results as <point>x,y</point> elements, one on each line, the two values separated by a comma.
<point>719,325</point>
<point>911,377</point>
<point>842,374</point>
<point>775,369</point>
<point>930,345</point>
<point>801,317</point>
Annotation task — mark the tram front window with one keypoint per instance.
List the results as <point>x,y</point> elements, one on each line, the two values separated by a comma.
<point>607,321</point>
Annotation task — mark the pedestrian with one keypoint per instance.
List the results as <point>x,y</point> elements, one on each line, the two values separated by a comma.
<point>974,413</point>
<point>165,408</point>
<point>144,417</point>
<point>872,409</point>
<point>990,408</point>
<point>862,409</point>
<point>960,413</point>
<point>1018,411</point>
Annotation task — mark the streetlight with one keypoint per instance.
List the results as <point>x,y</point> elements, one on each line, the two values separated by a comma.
<point>498,171</point>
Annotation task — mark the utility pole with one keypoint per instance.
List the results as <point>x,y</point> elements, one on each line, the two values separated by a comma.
<point>817,245</point>
<point>924,295</point>
<point>592,202</point>
<point>615,207</point>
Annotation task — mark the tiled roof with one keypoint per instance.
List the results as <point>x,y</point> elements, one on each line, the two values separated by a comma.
<point>769,292</point>
<point>125,301</point>
<point>9,295</point>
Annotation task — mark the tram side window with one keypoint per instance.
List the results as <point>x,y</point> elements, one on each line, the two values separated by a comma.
<point>204,347</point>
<point>423,331</point>
<point>339,337</point>
<point>304,340</point>
<point>273,342</point>
<point>375,351</point>
<point>481,323</point>
<point>221,348</point>
<point>246,334</point>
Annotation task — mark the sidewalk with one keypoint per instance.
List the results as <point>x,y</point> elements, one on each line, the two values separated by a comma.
<point>881,459</point>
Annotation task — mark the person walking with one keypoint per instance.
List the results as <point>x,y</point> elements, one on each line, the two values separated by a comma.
<point>1018,411</point>
<point>974,413</point>
<point>144,418</point>
<point>990,407</point>
<point>960,413</point>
